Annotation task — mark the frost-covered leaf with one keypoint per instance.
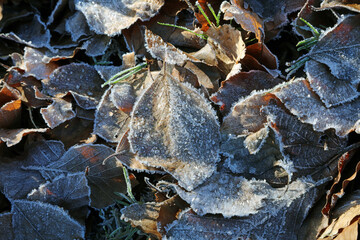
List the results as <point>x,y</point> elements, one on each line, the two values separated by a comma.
<point>248,20</point>
<point>228,45</point>
<point>337,52</point>
<point>173,127</point>
<point>44,152</point>
<point>70,192</point>
<point>13,177</point>
<point>10,111</point>
<point>77,26</point>
<point>6,230</point>
<point>307,150</point>
<point>165,51</point>
<point>36,220</point>
<point>241,85</point>
<point>123,97</point>
<point>297,97</point>
<point>32,33</point>
<point>81,80</point>
<point>13,136</point>
<point>110,17</point>
<point>96,45</point>
<point>283,210</point>
<point>104,178</point>
<point>351,5</point>
<point>245,116</point>
<point>58,112</point>
<point>110,121</point>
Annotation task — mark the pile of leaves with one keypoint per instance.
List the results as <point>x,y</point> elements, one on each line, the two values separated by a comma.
<point>179,119</point>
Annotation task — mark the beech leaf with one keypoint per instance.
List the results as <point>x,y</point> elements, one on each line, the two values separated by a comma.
<point>58,112</point>
<point>174,127</point>
<point>6,230</point>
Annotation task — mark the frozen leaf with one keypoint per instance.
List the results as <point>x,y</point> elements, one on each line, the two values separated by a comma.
<point>96,45</point>
<point>36,220</point>
<point>77,26</point>
<point>297,97</point>
<point>341,61</point>
<point>351,5</point>
<point>13,177</point>
<point>264,58</point>
<point>110,17</point>
<point>70,192</point>
<point>283,210</point>
<point>32,33</point>
<point>245,116</point>
<point>6,230</point>
<point>128,158</point>
<point>37,64</point>
<point>110,121</point>
<point>14,136</point>
<point>58,112</point>
<point>248,20</point>
<point>10,107</point>
<point>123,97</point>
<point>307,150</point>
<point>173,127</point>
<point>81,80</point>
<point>106,72</point>
<point>44,152</point>
<point>104,178</point>
<point>164,51</point>
<point>241,85</point>
<point>329,88</point>
<point>228,45</point>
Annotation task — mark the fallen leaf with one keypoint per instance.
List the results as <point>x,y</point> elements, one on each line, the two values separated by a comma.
<point>173,127</point>
<point>70,192</point>
<point>77,26</point>
<point>104,178</point>
<point>248,20</point>
<point>351,5</point>
<point>111,18</point>
<point>297,97</point>
<point>79,79</point>
<point>6,230</point>
<point>57,113</point>
<point>241,85</point>
<point>37,220</point>
<point>96,45</point>
<point>341,62</point>
<point>10,107</point>
<point>111,122</point>
<point>13,136</point>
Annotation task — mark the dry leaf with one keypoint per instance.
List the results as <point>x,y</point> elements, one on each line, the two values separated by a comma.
<point>6,230</point>
<point>351,5</point>
<point>111,17</point>
<point>174,127</point>
<point>77,26</point>
<point>10,107</point>
<point>14,136</point>
<point>57,113</point>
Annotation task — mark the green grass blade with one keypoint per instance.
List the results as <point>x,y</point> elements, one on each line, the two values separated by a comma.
<point>203,13</point>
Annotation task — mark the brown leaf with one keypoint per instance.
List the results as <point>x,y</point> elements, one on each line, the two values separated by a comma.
<point>341,62</point>
<point>174,127</point>
<point>79,79</point>
<point>57,113</point>
<point>241,85</point>
<point>111,17</point>
<point>10,107</point>
<point>297,97</point>
<point>14,136</point>
<point>351,5</point>
<point>77,26</point>
<point>248,20</point>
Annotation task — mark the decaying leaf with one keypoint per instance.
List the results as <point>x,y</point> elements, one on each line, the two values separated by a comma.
<point>37,220</point>
<point>6,230</point>
<point>10,107</point>
<point>351,5</point>
<point>104,178</point>
<point>110,17</point>
<point>77,26</point>
<point>70,192</point>
<point>282,213</point>
<point>297,97</point>
<point>248,20</point>
<point>165,51</point>
<point>13,136</point>
<point>110,121</point>
<point>174,127</point>
<point>81,80</point>
<point>336,53</point>
<point>241,85</point>
<point>58,112</point>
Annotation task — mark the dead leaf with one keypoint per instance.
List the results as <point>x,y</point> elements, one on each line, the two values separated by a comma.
<point>79,79</point>
<point>6,230</point>
<point>351,5</point>
<point>342,63</point>
<point>57,113</point>
<point>241,85</point>
<point>111,122</point>
<point>13,136</point>
<point>111,18</point>
<point>248,20</point>
<point>37,220</point>
<point>96,45</point>
<point>77,26</point>
<point>10,107</point>
<point>173,127</point>
<point>297,97</point>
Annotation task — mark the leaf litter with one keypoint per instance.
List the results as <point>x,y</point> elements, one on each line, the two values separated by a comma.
<point>219,143</point>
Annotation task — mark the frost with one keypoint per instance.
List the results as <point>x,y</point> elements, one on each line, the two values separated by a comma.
<point>174,127</point>
<point>57,113</point>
